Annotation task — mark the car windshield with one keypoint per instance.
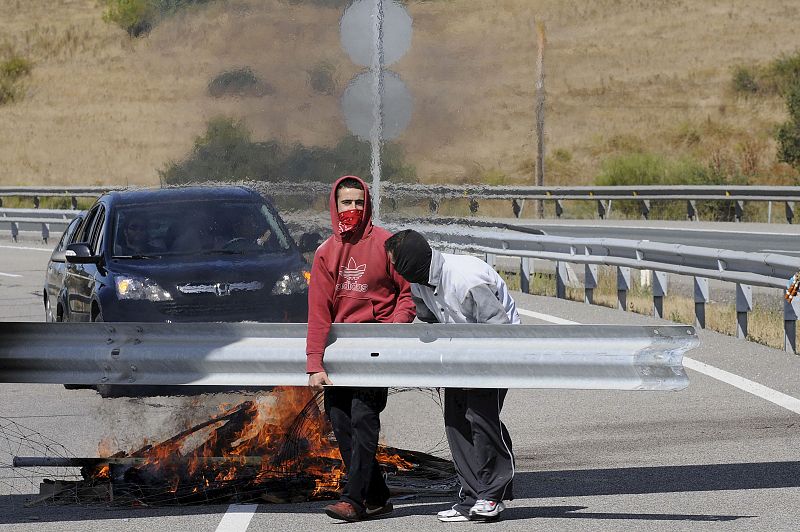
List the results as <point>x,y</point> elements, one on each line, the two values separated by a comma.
<point>197,227</point>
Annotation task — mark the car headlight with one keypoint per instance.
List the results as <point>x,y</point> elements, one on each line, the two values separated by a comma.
<point>292,283</point>
<point>132,288</point>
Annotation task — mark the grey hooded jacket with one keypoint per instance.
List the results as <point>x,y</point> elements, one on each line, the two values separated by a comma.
<point>465,290</point>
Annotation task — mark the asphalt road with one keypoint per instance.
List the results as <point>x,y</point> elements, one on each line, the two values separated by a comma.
<point>710,457</point>
<point>783,239</point>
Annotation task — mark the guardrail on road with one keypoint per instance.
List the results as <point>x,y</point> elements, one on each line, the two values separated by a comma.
<point>435,193</point>
<point>602,357</point>
<point>41,218</point>
<point>743,269</point>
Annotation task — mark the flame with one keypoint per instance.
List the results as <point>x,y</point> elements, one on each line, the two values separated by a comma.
<point>273,437</point>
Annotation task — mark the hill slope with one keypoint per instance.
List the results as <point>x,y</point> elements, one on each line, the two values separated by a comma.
<point>621,76</point>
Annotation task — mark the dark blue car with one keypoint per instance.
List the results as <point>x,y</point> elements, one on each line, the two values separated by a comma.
<point>189,254</point>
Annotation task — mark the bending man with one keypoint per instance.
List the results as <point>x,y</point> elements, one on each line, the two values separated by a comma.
<point>463,289</point>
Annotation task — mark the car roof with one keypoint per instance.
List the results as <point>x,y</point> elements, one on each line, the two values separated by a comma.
<point>159,195</point>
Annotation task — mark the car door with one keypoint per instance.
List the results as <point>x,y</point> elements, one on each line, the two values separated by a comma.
<point>56,269</point>
<point>80,279</point>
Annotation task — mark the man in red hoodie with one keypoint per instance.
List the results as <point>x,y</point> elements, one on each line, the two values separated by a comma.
<point>352,281</point>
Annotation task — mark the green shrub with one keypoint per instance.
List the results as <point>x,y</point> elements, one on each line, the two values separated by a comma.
<point>649,169</point>
<point>788,134</point>
<point>138,17</point>
<point>12,72</point>
<point>239,82</point>
<point>322,79</point>
<point>744,80</point>
<point>226,152</point>
<point>15,68</point>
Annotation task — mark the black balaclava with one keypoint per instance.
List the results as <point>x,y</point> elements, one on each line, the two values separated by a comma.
<point>412,258</point>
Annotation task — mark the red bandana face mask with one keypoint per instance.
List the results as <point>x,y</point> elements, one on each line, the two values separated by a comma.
<point>349,220</point>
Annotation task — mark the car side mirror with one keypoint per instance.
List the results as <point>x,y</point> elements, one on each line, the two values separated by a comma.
<point>309,242</point>
<point>80,253</point>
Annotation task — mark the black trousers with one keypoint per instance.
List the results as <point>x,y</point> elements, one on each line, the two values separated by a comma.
<point>355,416</point>
<point>480,444</point>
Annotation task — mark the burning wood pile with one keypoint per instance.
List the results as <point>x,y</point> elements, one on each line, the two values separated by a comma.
<point>279,449</point>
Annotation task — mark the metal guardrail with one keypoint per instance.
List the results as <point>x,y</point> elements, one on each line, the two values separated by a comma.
<point>601,357</point>
<point>603,195</point>
<point>436,193</point>
<point>41,218</point>
<point>743,269</point>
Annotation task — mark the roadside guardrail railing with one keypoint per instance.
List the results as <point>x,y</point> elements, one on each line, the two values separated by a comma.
<point>589,357</point>
<point>743,269</point>
<point>434,194</point>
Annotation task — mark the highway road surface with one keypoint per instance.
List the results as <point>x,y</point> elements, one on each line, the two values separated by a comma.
<point>721,455</point>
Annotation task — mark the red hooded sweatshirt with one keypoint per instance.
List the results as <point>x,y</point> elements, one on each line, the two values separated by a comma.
<point>352,281</point>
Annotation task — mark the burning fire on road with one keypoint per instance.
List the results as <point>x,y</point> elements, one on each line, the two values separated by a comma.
<point>277,448</point>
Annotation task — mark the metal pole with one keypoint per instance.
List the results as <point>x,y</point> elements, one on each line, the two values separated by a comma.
<point>376,135</point>
<point>540,101</point>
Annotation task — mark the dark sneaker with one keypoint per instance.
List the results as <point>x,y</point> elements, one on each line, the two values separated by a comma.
<point>344,511</point>
<point>376,511</point>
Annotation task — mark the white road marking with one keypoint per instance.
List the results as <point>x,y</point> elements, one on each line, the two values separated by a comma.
<point>237,518</point>
<point>773,396</point>
<point>651,228</point>
<point>9,274</point>
<point>759,390</point>
<point>781,251</point>
<point>27,248</point>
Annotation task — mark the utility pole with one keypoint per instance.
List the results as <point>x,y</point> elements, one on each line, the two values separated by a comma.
<point>540,100</point>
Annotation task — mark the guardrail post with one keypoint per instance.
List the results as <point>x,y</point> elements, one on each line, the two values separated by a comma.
<point>561,280</point>
<point>739,212</point>
<point>433,205</point>
<point>45,232</point>
<point>659,291</point>
<point>14,231</point>
<point>691,210</point>
<point>517,206</point>
<point>789,211</point>
<point>590,283</point>
<point>700,300</point>
<point>644,205</point>
<point>790,312</point>
<point>744,304</point>
<point>601,209</point>
<point>36,202</point>
<point>490,259</point>
<point>525,274</point>
<point>473,206</point>
<point>73,200</point>
<point>559,208</point>
<point>623,285</point>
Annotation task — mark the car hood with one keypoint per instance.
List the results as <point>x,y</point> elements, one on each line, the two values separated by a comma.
<point>172,271</point>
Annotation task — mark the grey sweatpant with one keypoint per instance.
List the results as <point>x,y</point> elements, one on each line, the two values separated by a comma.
<point>480,444</point>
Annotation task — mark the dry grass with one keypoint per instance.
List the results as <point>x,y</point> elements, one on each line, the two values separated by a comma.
<point>765,325</point>
<point>652,75</point>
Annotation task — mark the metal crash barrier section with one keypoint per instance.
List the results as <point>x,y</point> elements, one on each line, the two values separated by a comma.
<point>590,357</point>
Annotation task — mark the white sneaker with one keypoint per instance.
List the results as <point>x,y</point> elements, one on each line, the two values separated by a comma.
<point>451,516</point>
<point>485,509</point>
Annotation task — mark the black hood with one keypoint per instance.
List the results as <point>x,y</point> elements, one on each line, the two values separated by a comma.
<point>412,258</point>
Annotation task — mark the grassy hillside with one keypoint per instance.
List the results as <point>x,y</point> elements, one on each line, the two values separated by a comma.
<point>622,76</point>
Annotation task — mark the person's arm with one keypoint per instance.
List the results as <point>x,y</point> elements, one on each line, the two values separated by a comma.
<point>483,304</point>
<point>320,312</point>
<point>404,309</point>
<point>423,312</point>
